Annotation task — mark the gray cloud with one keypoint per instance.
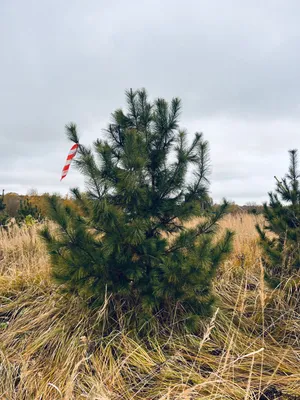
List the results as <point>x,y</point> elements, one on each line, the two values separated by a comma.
<point>234,64</point>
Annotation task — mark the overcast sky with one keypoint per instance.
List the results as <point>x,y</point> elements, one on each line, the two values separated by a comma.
<point>234,63</point>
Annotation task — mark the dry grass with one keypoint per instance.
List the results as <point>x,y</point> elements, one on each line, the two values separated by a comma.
<point>51,346</point>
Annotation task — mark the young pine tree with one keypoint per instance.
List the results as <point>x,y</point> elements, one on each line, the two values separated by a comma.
<point>280,237</point>
<point>130,240</point>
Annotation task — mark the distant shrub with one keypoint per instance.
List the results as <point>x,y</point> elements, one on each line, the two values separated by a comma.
<point>12,201</point>
<point>4,217</point>
<point>27,210</point>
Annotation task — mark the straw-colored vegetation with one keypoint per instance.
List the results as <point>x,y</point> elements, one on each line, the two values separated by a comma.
<point>51,346</point>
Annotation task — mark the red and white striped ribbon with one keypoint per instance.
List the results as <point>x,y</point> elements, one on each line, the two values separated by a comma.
<point>71,155</point>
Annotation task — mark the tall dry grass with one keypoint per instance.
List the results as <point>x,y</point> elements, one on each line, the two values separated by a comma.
<point>51,346</point>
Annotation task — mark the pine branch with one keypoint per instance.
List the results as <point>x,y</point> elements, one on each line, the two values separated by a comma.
<point>71,132</point>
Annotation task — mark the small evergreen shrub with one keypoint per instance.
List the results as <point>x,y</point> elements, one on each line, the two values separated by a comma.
<point>4,218</point>
<point>27,211</point>
<point>129,242</point>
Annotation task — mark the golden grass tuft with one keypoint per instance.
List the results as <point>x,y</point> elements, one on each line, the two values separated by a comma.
<point>51,346</point>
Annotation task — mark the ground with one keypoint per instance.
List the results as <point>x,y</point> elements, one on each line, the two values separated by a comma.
<point>51,346</point>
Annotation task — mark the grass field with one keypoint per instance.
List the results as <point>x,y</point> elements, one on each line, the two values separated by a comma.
<point>51,346</point>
